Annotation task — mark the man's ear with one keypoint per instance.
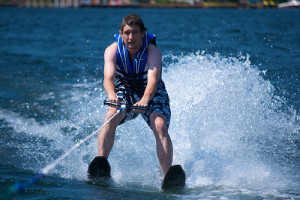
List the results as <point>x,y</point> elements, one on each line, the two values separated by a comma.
<point>144,33</point>
<point>121,32</point>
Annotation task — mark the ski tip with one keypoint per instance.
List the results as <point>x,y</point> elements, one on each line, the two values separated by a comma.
<point>99,168</point>
<point>174,179</point>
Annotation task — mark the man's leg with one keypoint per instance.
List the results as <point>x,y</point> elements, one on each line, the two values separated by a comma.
<point>164,147</point>
<point>106,135</point>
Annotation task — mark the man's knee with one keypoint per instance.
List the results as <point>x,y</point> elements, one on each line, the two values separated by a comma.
<point>111,112</point>
<point>158,123</point>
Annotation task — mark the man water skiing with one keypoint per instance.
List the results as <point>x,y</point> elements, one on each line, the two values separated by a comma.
<point>134,62</point>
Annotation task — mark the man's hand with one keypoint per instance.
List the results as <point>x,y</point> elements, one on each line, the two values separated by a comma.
<point>141,103</point>
<point>113,100</point>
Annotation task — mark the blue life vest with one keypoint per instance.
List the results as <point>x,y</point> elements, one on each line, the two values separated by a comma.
<point>135,72</point>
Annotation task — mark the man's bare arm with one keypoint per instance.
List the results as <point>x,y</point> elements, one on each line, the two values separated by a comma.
<point>154,72</point>
<point>110,66</point>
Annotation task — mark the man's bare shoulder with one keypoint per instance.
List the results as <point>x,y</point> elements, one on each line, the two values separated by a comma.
<point>154,51</point>
<point>154,57</point>
<point>110,51</point>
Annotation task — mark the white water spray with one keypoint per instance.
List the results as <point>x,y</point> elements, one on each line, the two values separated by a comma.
<point>226,126</point>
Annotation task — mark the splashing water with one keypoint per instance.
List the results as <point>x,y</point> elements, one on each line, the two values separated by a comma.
<point>226,123</point>
<point>227,127</point>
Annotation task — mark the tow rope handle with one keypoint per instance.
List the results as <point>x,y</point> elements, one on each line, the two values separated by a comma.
<point>127,107</point>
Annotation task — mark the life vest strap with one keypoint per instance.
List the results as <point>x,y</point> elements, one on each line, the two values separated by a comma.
<point>133,76</point>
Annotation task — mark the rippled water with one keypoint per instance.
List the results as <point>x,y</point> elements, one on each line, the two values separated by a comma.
<point>233,81</point>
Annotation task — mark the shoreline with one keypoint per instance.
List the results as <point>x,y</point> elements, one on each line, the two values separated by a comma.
<point>205,5</point>
<point>183,6</point>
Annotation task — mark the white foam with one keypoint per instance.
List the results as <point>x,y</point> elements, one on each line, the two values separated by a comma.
<point>225,116</point>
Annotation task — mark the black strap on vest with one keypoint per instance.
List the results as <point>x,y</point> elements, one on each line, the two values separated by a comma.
<point>132,76</point>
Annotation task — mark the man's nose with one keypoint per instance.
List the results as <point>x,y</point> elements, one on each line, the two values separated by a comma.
<point>130,35</point>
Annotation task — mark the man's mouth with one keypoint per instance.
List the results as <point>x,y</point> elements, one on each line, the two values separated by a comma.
<point>131,42</point>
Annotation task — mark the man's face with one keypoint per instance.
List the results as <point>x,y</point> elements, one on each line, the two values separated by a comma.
<point>132,37</point>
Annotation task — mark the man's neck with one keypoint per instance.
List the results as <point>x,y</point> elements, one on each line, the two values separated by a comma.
<point>132,54</point>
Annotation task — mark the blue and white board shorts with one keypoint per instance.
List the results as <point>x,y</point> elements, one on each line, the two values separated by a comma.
<point>160,102</point>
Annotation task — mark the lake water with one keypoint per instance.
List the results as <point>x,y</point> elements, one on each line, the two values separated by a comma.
<point>232,77</point>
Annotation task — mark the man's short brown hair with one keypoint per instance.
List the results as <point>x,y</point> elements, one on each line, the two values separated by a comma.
<point>132,19</point>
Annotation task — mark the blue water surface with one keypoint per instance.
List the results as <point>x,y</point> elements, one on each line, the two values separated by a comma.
<point>233,80</point>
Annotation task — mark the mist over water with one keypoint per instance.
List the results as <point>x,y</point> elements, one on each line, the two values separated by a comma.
<point>228,128</point>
